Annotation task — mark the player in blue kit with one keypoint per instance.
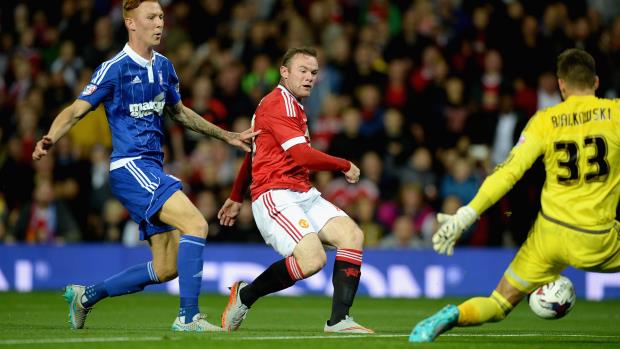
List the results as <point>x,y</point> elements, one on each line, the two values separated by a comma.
<point>136,87</point>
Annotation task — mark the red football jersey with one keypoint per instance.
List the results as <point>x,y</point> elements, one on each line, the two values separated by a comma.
<point>283,124</point>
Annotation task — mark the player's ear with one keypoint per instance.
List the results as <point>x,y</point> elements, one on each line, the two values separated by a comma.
<point>284,72</point>
<point>596,82</point>
<point>130,23</point>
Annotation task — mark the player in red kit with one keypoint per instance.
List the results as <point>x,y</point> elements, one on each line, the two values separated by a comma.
<point>291,215</point>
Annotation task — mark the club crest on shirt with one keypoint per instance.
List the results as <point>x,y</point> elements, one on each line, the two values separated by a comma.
<point>303,223</point>
<point>89,89</point>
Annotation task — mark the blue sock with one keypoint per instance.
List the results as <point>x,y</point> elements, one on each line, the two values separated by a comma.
<point>189,266</point>
<point>131,280</point>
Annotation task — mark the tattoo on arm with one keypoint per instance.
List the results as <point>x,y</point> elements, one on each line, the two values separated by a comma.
<point>188,118</point>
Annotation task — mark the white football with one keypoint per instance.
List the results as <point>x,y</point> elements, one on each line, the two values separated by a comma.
<point>553,300</point>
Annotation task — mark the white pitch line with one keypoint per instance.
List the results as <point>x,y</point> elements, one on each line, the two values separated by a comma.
<point>336,336</point>
<point>348,336</point>
<point>78,340</point>
<point>529,335</point>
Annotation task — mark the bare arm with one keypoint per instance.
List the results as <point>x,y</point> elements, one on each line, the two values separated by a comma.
<point>61,125</point>
<point>190,119</point>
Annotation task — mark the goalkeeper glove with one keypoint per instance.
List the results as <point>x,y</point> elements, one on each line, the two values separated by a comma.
<point>452,226</point>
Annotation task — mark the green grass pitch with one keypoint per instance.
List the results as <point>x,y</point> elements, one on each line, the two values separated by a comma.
<point>39,320</point>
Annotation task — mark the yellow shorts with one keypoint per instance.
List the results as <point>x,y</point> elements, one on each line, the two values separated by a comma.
<point>551,246</point>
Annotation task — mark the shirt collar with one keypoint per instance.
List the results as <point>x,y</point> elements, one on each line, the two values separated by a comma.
<point>137,58</point>
<point>298,100</point>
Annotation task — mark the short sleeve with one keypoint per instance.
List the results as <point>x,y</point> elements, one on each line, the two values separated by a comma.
<point>285,129</point>
<point>173,96</point>
<point>101,85</point>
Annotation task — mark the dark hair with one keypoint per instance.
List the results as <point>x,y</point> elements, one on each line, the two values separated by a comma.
<point>577,68</point>
<point>129,5</point>
<point>308,51</point>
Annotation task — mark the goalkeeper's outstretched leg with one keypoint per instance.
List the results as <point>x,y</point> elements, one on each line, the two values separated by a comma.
<point>474,311</point>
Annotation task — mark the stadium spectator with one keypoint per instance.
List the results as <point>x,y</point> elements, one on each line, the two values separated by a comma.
<point>45,219</point>
<point>154,201</point>
<point>403,235</point>
<point>291,215</point>
<point>204,38</point>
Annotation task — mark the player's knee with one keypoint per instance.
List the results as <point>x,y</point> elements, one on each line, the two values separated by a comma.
<point>356,238</point>
<point>353,237</point>
<point>199,227</point>
<point>166,272</point>
<point>311,265</point>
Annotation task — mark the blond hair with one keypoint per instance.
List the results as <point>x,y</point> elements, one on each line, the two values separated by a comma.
<point>129,5</point>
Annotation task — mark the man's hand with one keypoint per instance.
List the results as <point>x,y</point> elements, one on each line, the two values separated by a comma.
<point>452,226</point>
<point>40,150</point>
<point>353,174</point>
<point>243,140</point>
<point>229,212</point>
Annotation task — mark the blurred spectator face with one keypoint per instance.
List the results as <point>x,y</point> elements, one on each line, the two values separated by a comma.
<point>454,90</point>
<point>492,62</point>
<point>393,122</point>
<point>372,166</point>
<point>581,29</point>
<point>241,124</point>
<point>421,159</point>
<point>113,212</point>
<point>318,13</point>
<point>548,83</point>
<point>103,29</point>
<point>515,10</point>
<point>369,97</point>
<point>339,50</point>
<point>44,193</point>
<point>228,79</point>
<point>331,105</point>
<point>365,210</point>
<point>461,170</point>
<point>22,69</point>
<point>146,23</point>
<point>67,51</point>
<point>403,229</point>
<point>27,38</point>
<point>529,27</point>
<point>300,75</point>
<point>259,33</point>
<point>480,18</point>
<point>430,56</point>
<point>451,204</point>
<point>397,70</point>
<point>261,64</point>
<point>411,196</point>
<point>202,89</point>
<point>27,121</point>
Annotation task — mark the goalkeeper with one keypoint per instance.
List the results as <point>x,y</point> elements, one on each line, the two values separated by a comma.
<point>579,140</point>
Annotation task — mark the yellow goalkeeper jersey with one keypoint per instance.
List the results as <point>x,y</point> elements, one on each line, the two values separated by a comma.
<point>580,143</point>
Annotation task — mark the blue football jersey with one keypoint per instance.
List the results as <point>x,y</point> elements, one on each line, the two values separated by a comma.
<point>134,92</point>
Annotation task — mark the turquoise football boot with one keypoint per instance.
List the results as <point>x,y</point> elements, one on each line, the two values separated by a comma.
<point>428,329</point>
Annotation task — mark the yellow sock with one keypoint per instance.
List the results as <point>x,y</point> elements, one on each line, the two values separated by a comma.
<point>478,310</point>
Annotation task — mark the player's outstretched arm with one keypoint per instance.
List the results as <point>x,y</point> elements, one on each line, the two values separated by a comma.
<point>316,160</point>
<point>61,125</point>
<point>452,226</point>
<point>190,119</point>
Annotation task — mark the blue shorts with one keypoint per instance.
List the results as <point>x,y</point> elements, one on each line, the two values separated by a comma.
<point>143,187</point>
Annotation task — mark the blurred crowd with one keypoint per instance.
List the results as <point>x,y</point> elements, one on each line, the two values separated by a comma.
<point>425,96</point>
